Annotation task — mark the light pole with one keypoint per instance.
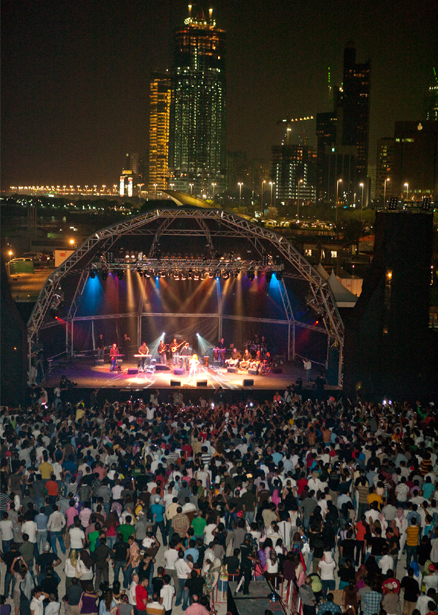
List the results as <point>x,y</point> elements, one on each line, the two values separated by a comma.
<point>155,188</point>
<point>384,191</point>
<point>298,200</point>
<point>271,184</point>
<point>240,184</point>
<point>407,190</point>
<point>337,195</point>
<point>191,188</point>
<point>263,185</point>
<point>361,202</point>
<point>214,185</point>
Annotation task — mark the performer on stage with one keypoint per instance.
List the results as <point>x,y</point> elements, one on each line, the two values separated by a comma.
<point>193,363</point>
<point>174,351</point>
<point>144,350</point>
<point>184,354</point>
<point>126,343</point>
<point>114,353</point>
<point>221,350</point>
<point>162,351</point>
<point>233,361</point>
<point>246,360</point>
<point>100,345</point>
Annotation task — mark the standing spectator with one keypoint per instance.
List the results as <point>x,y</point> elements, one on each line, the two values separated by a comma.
<point>7,530</point>
<point>55,525</point>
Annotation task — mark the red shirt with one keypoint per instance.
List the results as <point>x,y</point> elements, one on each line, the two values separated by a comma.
<point>52,487</point>
<point>141,593</point>
<point>301,483</point>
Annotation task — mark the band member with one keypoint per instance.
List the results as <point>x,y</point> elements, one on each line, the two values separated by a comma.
<point>126,343</point>
<point>184,354</point>
<point>246,359</point>
<point>222,349</point>
<point>162,351</point>
<point>263,346</point>
<point>174,350</point>
<point>193,363</point>
<point>143,350</point>
<point>114,353</point>
<point>100,345</point>
<point>233,361</point>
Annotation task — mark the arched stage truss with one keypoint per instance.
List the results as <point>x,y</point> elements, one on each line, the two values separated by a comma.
<point>212,225</point>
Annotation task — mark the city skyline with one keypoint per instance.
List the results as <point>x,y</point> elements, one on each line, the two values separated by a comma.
<point>76,77</point>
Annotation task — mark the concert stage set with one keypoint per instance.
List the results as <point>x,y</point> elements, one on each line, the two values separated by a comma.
<point>187,277</point>
<point>89,375</point>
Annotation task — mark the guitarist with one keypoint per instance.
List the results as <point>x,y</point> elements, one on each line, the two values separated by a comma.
<point>174,350</point>
<point>162,351</point>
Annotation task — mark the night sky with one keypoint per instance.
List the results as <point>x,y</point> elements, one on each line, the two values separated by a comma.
<point>75,74</point>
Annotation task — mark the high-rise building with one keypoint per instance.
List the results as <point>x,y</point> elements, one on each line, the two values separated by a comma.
<point>343,134</point>
<point>132,162</point>
<point>197,139</point>
<point>384,171</point>
<point>294,173</point>
<point>432,103</point>
<point>356,108</point>
<point>415,159</point>
<point>159,130</point>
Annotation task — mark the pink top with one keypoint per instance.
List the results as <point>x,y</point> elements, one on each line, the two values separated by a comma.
<point>70,515</point>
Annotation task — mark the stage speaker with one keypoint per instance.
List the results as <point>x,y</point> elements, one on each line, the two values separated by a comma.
<point>175,383</point>
<point>178,371</point>
<point>253,372</point>
<point>99,362</point>
<point>201,383</point>
<point>231,370</point>
<point>277,370</point>
<point>160,367</point>
<point>132,370</point>
<point>248,383</point>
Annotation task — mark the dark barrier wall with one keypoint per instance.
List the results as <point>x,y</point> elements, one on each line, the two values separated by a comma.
<point>13,348</point>
<point>389,349</point>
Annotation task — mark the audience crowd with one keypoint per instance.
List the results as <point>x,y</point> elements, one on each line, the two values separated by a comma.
<point>145,506</point>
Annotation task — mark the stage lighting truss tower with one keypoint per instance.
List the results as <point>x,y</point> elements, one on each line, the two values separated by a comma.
<point>226,225</point>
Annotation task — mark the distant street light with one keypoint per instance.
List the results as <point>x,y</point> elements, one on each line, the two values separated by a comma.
<point>337,197</point>
<point>271,184</point>
<point>240,192</point>
<point>407,190</point>
<point>298,200</point>
<point>214,186</point>
<point>384,190</point>
<point>155,188</point>
<point>361,202</point>
<point>263,185</point>
<point>191,188</point>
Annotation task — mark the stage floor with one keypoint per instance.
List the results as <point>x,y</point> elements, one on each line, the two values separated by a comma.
<point>89,375</point>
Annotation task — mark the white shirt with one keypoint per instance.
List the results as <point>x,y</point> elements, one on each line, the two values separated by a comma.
<point>182,568</point>
<point>386,563</point>
<point>6,527</point>
<point>170,558</point>
<point>167,592</point>
<point>30,528</point>
<point>56,521</point>
<point>208,533</point>
<point>131,593</point>
<point>76,537</point>
<point>36,605</point>
<point>53,608</point>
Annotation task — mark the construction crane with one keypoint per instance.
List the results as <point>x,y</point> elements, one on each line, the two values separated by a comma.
<point>289,121</point>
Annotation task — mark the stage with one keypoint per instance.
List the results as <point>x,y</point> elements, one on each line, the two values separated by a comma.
<point>87,374</point>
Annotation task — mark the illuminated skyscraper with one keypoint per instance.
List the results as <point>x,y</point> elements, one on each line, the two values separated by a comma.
<point>197,156</point>
<point>159,130</point>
